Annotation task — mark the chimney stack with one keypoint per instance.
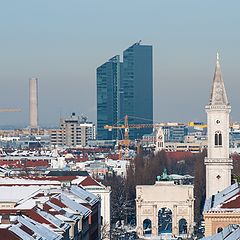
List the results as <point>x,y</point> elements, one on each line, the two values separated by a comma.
<point>33,103</point>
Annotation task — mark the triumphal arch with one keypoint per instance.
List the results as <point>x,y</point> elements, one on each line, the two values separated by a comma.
<point>167,207</point>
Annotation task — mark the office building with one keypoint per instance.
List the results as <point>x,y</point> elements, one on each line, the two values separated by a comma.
<point>108,97</point>
<point>125,89</point>
<point>137,87</point>
<point>73,132</point>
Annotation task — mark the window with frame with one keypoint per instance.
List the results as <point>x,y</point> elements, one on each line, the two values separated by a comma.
<point>218,139</point>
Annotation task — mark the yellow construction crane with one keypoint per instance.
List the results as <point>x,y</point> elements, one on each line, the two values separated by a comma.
<point>126,142</point>
<point>10,110</point>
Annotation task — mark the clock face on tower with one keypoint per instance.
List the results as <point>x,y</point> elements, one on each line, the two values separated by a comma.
<point>217,121</point>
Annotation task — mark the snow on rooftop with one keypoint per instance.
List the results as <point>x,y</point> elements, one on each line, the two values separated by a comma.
<point>232,232</point>
<point>75,205</point>
<point>4,226</point>
<point>215,202</point>
<point>63,218</point>
<point>57,222</point>
<point>16,193</point>
<point>20,233</point>
<point>38,228</point>
<point>85,195</point>
<point>29,204</point>
<point>64,211</point>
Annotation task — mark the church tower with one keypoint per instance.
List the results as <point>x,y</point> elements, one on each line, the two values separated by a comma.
<point>218,164</point>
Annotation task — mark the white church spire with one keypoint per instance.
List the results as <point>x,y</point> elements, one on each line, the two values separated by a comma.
<point>218,94</point>
<point>218,164</point>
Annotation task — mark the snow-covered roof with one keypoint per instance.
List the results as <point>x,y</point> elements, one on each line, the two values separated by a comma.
<point>73,204</point>
<point>232,232</point>
<point>217,201</point>
<point>26,181</point>
<point>38,228</point>
<point>85,195</point>
<point>16,193</point>
<point>20,233</point>
<point>56,221</point>
<point>64,212</point>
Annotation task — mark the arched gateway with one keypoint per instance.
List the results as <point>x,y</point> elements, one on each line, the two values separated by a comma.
<point>167,205</point>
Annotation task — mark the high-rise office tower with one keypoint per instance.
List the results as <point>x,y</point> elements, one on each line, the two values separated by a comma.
<point>33,103</point>
<point>137,87</point>
<point>125,89</point>
<point>108,97</point>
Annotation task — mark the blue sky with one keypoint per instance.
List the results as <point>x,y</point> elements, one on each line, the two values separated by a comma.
<point>63,42</point>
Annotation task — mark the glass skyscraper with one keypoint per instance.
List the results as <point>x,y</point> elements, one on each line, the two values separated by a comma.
<point>108,103</point>
<point>125,89</point>
<point>137,86</point>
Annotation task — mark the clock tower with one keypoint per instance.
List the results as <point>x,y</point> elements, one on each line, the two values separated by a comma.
<point>218,164</point>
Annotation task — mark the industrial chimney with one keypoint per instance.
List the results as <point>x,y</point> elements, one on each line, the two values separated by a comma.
<point>33,103</point>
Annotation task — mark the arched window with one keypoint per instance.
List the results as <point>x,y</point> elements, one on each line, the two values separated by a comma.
<point>182,225</point>
<point>147,227</point>
<point>218,138</point>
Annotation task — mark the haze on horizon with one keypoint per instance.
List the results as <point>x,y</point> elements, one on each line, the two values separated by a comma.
<point>63,42</point>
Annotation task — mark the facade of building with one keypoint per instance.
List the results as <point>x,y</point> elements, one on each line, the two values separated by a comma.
<point>73,132</point>
<point>125,89</point>
<point>98,189</point>
<point>218,164</point>
<point>222,209</point>
<point>137,87</point>
<point>108,97</point>
<point>164,208</point>
<point>175,132</point>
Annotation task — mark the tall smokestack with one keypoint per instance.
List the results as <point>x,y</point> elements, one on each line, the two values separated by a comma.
<point>33,103</point>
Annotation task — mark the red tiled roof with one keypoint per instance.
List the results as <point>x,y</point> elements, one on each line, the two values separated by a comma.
<point>38,218</point>
<point>89,181</point>
<point>23,164</point>
<point>57,202</point>
<point>233,202</point>
<point>52,178</point>
<point>7,234</point>
<point>30,213</point>
<point>27,230</point>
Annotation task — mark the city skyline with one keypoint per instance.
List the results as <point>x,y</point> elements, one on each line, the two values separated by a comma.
<point>51,41</point>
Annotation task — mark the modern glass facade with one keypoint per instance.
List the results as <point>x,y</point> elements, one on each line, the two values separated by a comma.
<point>125,89</point>
<point>137,87</point>
<point>108,95</point>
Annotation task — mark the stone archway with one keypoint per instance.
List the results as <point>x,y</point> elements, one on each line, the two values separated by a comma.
<point>182,226</point>
<point>147,227</point>
<point>164,220</point>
